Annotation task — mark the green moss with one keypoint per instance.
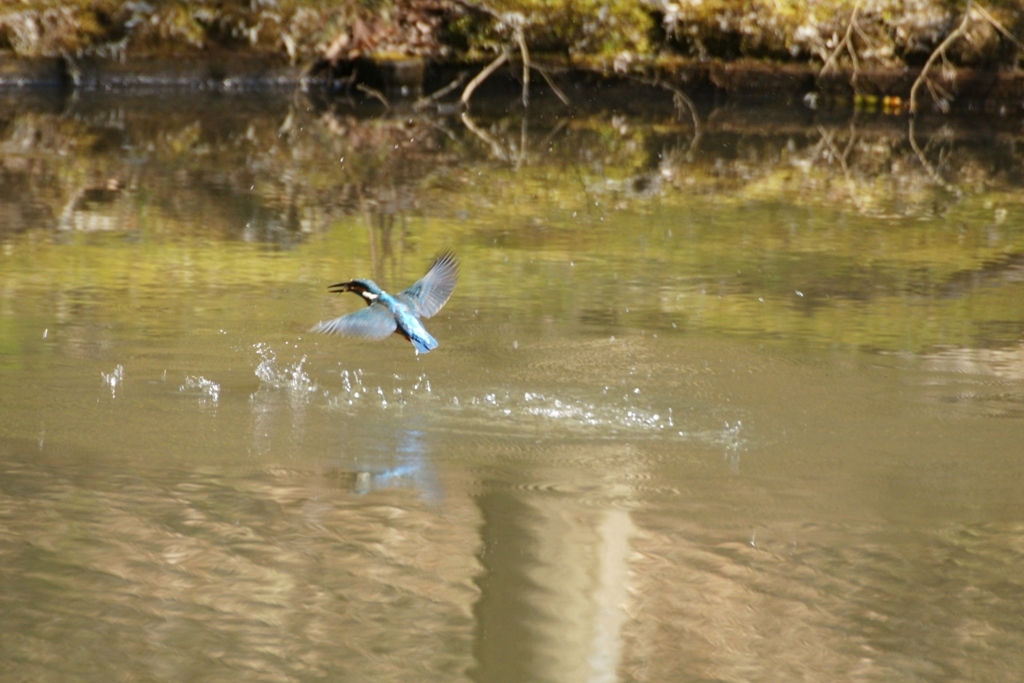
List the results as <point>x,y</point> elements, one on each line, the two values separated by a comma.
<point>592,27</point>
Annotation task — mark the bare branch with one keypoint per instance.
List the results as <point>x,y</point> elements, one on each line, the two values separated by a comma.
<point>482,76</point>
<point>939,51</point>
<point>847,44</point>
<point>997,26</point>
<point>521,39</point>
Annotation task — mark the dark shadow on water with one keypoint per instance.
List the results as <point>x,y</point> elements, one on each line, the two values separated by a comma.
<point>503,639</point>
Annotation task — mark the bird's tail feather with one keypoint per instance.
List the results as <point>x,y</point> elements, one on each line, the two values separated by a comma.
<point>423,345</point>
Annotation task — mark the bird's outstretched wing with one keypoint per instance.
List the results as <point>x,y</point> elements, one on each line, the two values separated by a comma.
<point>428,294</point>
<point>373,322</point>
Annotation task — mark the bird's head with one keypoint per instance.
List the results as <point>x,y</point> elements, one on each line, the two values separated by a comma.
<point>367,289</point>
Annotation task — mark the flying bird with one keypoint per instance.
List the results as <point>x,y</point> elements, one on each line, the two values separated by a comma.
<point>397,313</point>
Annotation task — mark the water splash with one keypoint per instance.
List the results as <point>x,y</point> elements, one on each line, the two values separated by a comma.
<point>285,389</point>
<point>113,379</point>
<point>290,377</point>
<point>209,390</point>
<point>355,391</point>
<point>733,444</point>
<point>571,412</point>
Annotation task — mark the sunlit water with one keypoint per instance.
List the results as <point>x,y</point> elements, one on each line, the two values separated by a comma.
<point>751,415</point>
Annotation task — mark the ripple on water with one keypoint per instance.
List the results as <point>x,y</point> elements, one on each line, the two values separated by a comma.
<point>838,595</point>
<point>229,561</point>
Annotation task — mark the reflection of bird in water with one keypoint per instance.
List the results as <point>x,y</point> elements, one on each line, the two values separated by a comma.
<point>399,313</point>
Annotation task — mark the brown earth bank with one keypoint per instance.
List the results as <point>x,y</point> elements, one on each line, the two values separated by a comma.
<point>864,54</point>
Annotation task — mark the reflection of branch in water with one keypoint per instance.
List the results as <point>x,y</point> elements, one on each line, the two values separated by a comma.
<point>430,99</point>
<point>495,146</point>
<point>523,143</point>
<point>380,224</point>
<point>679,99</point>
<point>681,102</point>
<point>551,84</point>
<point>511,154</point>
<point>546,142</point>
<point>826,137</point>
<point>929,169</point>
<point>441,128</point>
<point>374,93</point>
<point>80,201</point>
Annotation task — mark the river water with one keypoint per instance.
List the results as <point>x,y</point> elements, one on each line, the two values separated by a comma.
<point>743,402</point>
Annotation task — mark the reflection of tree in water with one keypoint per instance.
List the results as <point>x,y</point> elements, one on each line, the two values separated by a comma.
<point>386,225</point>
<point>279,174</point>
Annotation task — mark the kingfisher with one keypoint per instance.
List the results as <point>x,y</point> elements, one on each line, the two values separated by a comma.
<point>397,313</point>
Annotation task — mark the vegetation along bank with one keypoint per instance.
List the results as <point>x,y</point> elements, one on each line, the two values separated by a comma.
<point>896,54</point>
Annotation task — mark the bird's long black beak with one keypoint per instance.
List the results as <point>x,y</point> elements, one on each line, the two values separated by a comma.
<point>340,287</point>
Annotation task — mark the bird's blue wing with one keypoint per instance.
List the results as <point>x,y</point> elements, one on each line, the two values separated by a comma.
<point>428,294</point>
<point>373,322</point>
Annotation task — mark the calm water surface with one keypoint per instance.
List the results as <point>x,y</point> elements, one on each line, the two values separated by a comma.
<point>742,406</point>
